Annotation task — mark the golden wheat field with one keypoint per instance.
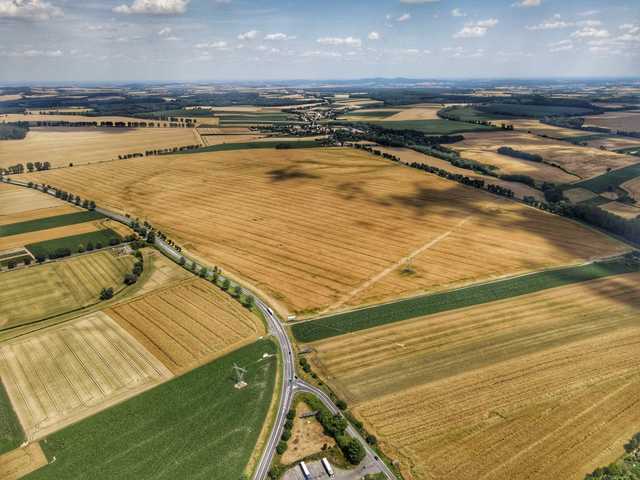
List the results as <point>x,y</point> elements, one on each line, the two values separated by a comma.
<point>188,324</point>
<point>21,461</point>
<point>584,162</point>
<point>15,201</point>
<point>541,386</point>
<point>63,209</point>
<point>633,187</point>
<point>622,209</point>
<point>260,215</point>
<point>60,375</point>
<point>408,155</point>
<point>42,291</point>
<point>62,146</point>
<point>627,121</point>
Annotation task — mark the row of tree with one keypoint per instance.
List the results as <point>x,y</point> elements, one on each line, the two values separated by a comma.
<point>19,168</point>
<point>159,151</point>
<point>512,152</point>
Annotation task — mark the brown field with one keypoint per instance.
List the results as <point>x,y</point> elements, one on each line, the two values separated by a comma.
<point>613,143</point>
<point>536,127</point>
<point>307,437</point>
<point>64,209</point>
<point>578,194</point>
<point>62,146</point>
<point>259,216</point>
<point>189,324</point>
<point>21,461</point>
<point>219,139</point>
<point>541,386</point>
<point>42,291</point>
<point>60,375</point>
<point>164,272</point>
<point>227,131</point>
<point>16,200</point>
<point>582,161</point>
<point>20,117</point>
<point>622,209</point>
<point>407,155</point>
<point>506,164</point>
<point>633,187</point>
<point>425,111</point>
<point>628,121</point>
<point>20,240</point>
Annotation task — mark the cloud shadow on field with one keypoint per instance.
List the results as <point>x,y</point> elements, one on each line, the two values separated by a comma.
<point>290,173</point>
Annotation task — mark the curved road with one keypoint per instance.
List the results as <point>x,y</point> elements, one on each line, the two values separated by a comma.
<point>290,382</point>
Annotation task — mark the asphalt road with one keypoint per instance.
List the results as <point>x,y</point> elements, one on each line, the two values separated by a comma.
<point>290,384</point>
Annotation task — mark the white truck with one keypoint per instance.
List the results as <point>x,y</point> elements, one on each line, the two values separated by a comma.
<point>327,467</point>
<point>305,471</point>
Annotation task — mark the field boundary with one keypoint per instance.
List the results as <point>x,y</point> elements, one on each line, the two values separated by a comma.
<point>475,294</point>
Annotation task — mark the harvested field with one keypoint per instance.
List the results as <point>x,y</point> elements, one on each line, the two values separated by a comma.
<point>194,426</point>
<point>614,143</point>
<point>20,117</point>
<point>16,200</point>
<point>189,324</point>
<point>418,112</point>
<point>633,187</point>
<point>219,139</point>
<point>627,121</point>
<point>535,387</point>
<point>22,461</point>
<point>307,437</point>
<point>362,216</point>
<point>164,272</point>
<point>226,131</point>
<point>577,195</point>
<point>39,213</point>
<point>536,127</point>
<point>582,161</point>
<point>506,164</point>
<point>622,209</point>
<point>62,146</point>
<point>61,375</point>
<point>407,155</point>
<point>42,291</point>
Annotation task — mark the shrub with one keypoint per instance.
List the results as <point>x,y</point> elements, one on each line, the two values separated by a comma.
<point>341,404</point>
<point>281,448</point>
<point>106,293</point>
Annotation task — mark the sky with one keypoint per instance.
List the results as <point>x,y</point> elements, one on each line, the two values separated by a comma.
<point>225,40</point>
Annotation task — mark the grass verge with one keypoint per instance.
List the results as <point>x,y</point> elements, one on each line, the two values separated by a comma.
<point>353,321</point>
<point>194,426</point>
<point>49,222</point>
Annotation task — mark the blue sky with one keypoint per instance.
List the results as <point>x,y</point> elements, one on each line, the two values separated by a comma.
<point>69,40</point>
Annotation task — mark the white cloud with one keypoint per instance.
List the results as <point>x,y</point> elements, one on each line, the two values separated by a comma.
<point>321,53</point>
<point>250,35</point>
<point>154,7</point>
<point>348,41</point>
<point>630,29</point>
<point>278,36</point>
<point>527,3</point>
<point>561,46</point>
<point>460,52</point>
<point>28,9</point>
<point>456,12</point>
<point>418,2</point>
<point>550,25</point>
<point>163,32</point>
<point>589,13</point>
<point>373,36</point>
<point>36,53</point>
<point>590,32</point>
<point>216,45</point>
<point>404,17</point>
<point>476,29</point>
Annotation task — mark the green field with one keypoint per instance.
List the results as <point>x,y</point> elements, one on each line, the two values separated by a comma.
<point>11,434</point>
<point>468,114</point>
<point>612,179</point>
<point>223,147</point>
<point>524,110</point>
<point>374,113</point>
<point>630,150</point>
<point>73,242</point>
<point>583,138</point>
<point>197,426</point>
<point>432,127</point>
<point>49,222</point>
<point>341,323</point>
